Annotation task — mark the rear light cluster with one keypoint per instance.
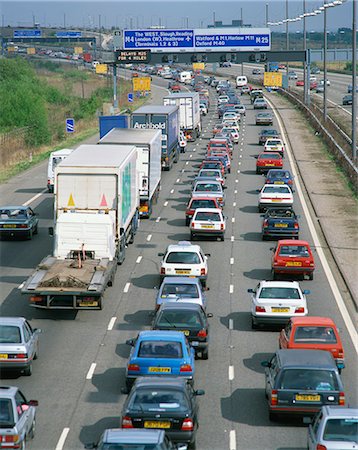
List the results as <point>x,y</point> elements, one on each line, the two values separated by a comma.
<point>260,309</point>
<point>188,424</point>
<point>186,368</point>
<point>341,354</point>
<point>12,438</point>
<point>162,271</point>
<point>321,447</point>
<point>18,356</point>
<point>127,422</point>
<point>202,333</point>
<point>202,272</point>
<point>133,368</point>
<point>36,299</point>
<point>221,226</point>
<point>342,399</point>
<point>265,224</point>
<point>296,226</point>
<point>299,310</point>
<point>274,399</point>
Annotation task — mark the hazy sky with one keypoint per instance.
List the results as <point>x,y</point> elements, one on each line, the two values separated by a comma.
<point>170,13</point>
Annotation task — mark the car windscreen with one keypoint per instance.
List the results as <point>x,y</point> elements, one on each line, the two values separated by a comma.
<point>10,334</point>
<point>270,156</point>
<point>294,250</point>
<point>180,290</point>
<point>280,293</point>
<point>160,349</point>
<point>157,400</point>
<point>6,413</point>
<point>309,379</point>
<point>179,319</point>
<point>315,335</point>
<point>207,217</point>
<point>276,190</point>
<point>341,430</point>
<point>183,258</point>
<point>207,187</point>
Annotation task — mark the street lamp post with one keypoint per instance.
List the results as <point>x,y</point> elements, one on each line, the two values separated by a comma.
<point>287,37</point>
<point>305,50</point>
<point>325,64</point>
<point>354,82</point>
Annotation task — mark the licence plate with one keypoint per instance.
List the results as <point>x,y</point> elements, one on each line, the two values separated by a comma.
<point>278,182</point>
<point>281,225</point>
<point>9,226</point>
<point>182,272</point>
<point>159,370</point>
<point>270,165</point>
<point>154,424</point>
<point>4,356</point>
<point>280,310</point>
<point>207,226</point>
<point>94,303</point>
<point>277,200</point>
<point>308,398</point>
<point>293,264</point>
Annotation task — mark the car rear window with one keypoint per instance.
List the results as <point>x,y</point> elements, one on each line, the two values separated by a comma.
<point>315,335</point>
<point>279,174</point>
<point>158,400</point>
<point>12,213</point>
<point>209,173</point>
<point>160,349</point>
<point>181,290</point>
<point>270,156</point>
<point>273,142</point>
<point>280,213</point>
<point>309,379</point>
<point>208,216</point>
<point>202,204</point>
<point>294,250</point>
<point>6,412</point>
<point>341,430</point>
<point>276,190</point>
<point>205,187</point>
<point>280,293</point>
<point>180,319</point>
<point>10,334</point>
<point>183,258</point>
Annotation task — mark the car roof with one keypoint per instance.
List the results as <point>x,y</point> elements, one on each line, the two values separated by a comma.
<point>12,320</point>
<point>21,207</point>
<point>307,358</point>
<point>292,242</point>
<point>159,335</point>
<point>8,391</point>
<point>127,436</point>
<point>209,210</point>
<point>339,411</point>
<point>183,246</point>
<point>181,305</point>
<point>180,280</point>
<point>269,283</point>
<point>161,382</point>
<point>276,185</point>
<point>313,320</point>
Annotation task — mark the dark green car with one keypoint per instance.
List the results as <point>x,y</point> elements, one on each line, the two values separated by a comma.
<point>19,221</point>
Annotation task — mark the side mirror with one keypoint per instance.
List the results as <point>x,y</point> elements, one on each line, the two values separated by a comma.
<point>262,215</point>
<point>306,291</point>
<point>91,445</point>
<point>208,254</point>
<point>50,231</point>
<point>199,392</point>
<point>265,364</point>
<point>125,390</point>
<point>255,157</point>
<point>258,190</point>
<point>33,403</point>
<point>209,315</point>
<point>251,291</point>
<point>130,342</point>
<point>37,330</point>
<point>272,249</point>
<point>160,254</point>
<point>224,187</point>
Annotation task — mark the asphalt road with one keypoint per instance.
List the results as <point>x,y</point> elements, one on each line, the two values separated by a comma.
<point>77,399</point>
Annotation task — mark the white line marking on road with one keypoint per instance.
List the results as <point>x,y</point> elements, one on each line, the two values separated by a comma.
<point>231,373</point>
<point>231,290</point>
<point>194,149</point>
<point>62,440</point>
<point>233,220</point>
<point>182,170</point>
<point>157,219</point>
<point>232,445</point>
<point>239,163</point>
<point>232,260</point>
<point>126,287</point>
<point>332,282</point>
<point>238,171</point>
<point>111,323</point>
<point>236,181</point>
<point>139,259</point>
<point>231,324</point>
<point>34,197</point>
<point>149,237</point>
<point>165,203</point>
<point>187,163</point>
<point>234,204</point>
<point>240,156</point>
<point>235,191</point>
<point>20,286</point>
<point>172,191</point>
<point>190,156</point>
<point>178,180</point>
<point>91,371</point>
<point>232,238</point>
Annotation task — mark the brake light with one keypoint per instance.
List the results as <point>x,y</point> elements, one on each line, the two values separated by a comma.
<point>260,309</point>
<point>296,226</point>
<point>188,425</point>
<point>186,368</point>
<point>21,356</point>
<point>192,224</point>
<point>36,298</point>
<point>202,333</point>
<point>221,226</point>
<point>127,422</point>
<point>21,226</point>
<point>10,438</point>
<point>162,271</point>
<point>299,310</point>
<point>341,354</point>
<point>274,399</point>
<point>321,447</point>
<point>342,399</point>
<point>265,224</point>
<point>202,271</point>
<point>133,368</point>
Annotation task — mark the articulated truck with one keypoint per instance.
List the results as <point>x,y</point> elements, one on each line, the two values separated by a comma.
<point>96,215</point>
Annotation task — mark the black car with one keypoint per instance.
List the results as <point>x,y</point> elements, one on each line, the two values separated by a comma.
<point>347,100</point>
<point>163,403</point>
<point>189,318</point>
<point>265,134</point>
<point>280,223</point>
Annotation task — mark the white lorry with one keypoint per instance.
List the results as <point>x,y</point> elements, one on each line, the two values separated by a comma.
<point>96,216</point>
<point>189,112</point>
<point>55,159</point>
<point>149,166</point>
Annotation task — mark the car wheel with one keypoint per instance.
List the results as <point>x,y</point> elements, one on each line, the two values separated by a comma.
<point>205,354</point>
<point>274,275</point>
<point>264,238</point>
<point>310,276</point>
<point>192,237</point>
<point>28,371</point>
<point>257,172</point>
<point>32,429</point>
<point>203,283</point>
<point>254,325</point>
<point>192,445</point>
<point>222,238</point>
<point>29,236</point>
<point>187,222</point>
<point>36,230</point>
<point>272,417</point>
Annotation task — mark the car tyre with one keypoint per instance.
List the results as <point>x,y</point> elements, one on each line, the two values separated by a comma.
<point>272,417</point>
<point>187,222</point>
<point>192,445</point>
<point>310,276</point>
<point>28,371</point>
<point>254,325</point>
<point>205,354</point>
<point>274,275</point>
<point>32,429</point>
<point>36,230</point>
<point>29,236</point>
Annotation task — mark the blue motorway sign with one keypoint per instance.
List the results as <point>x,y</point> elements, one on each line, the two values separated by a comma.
<point>201,40</point>
<point>130,97</point>
<point>27,33</point>
<point>70,125</point>
<point>68,34</point>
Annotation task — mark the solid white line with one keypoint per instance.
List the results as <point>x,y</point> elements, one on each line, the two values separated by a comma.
<point>111,323</point>
<point>231,290</point>
<point>233,220</point>
<point>139,259</point>
<point>62,440</point>
<point>232,445</point>
<point>149,237</point>
<point>178,180</point>
<point>232,238</point>
<point>34,198</point>
<point>165,203</point>
<point>91,371</point>
<point>231,373</point>
<point>172,191</point>
<point>232,260</point>
<point>231,324</point>
<point>126,287</point>
<point>157,219</point>
<point>332,282</point>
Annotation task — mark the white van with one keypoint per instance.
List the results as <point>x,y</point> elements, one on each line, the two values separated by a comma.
<point>241,81</point>
<point>185,77</point>
<point>54,160</point>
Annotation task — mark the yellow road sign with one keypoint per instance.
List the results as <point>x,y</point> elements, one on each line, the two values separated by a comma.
<point>272,79</point>
<point>31,50</point>
<point>141,83</point>
<point>101,68</point>
<point>198,66</point>
<point>78,50</point>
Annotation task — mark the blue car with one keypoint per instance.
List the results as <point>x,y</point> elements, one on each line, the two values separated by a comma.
<point>18,221</point>
<point>279,176</point>
<point>163,353</point>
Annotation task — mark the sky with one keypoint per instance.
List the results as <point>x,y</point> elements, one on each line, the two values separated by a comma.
<point>170,13</point>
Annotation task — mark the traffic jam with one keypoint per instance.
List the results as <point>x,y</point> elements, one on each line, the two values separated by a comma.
<point>301,380</point>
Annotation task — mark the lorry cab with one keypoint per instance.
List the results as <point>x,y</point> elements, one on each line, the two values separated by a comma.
<point>54,160</point>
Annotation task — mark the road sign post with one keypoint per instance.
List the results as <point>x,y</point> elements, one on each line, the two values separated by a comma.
<point>70,125</point>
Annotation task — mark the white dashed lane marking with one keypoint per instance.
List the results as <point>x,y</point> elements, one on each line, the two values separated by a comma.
<point>62,440</point>
<point>231,373</point>
<point>91,371</point>
<point>165,203</point>
<point>126,287</point>
<point>139,259</point>
<point>112,322</point>
<point>149,237</point>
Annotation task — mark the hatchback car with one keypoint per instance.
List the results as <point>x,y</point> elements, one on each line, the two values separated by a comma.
<point>199,202</point>
<point>231,115</point>
<point>234,133</point>
<point>211,173</point>
<point>223,99</point>
<point>211,189</point>
<point>168,404</point>
<point>18,221</point>
<point>181,289</point>
<point>266,161</point>
<point>265,134</point>
<point>275,302</point>
<point>184,259</point>
<point>17,418</point>
<point>213,165</point>
<point>279,176</point>
<point>334,428</point>
<point>224,159</point>
<point>19,344</point>
<point>313,333</point>
<point>275,195</point>
<point>208,222</point>
<point>292,258</point>
<point>274,145</point>
<point>300,382</point>
<point>347,99</point>
<point>260,103</point>
<point>161,353</point>
<point>190,318</point>
<point>280,223</point>
<point>264,118</point>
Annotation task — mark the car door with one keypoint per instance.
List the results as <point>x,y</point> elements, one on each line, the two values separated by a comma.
<point>313,431</point>
<point>25,414</point>
<point>270,374</point>
<point>31,340</point>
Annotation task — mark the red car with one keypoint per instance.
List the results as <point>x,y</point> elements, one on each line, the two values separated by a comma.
<point>219,146</point>
<point>268,160</point>
<point>313,85</point>
<point>300,83</point>
<point>292,258</point>
<point>199,202</point>
<point>217,128</point>
<point>313,333</point>
<point>213,165</point>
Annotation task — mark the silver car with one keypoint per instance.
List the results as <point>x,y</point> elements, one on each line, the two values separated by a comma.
<point>19,344</point>
<point>177,289</point>
<point>334,428</point>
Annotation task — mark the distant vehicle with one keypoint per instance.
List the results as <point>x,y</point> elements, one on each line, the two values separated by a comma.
<point>181,289</point>
<point>54,160</point>
<point>18,221</point>
<point>256,71</point>
<point>350,88</point>
<point>211,189</point>
<point>292,258</point>
<point>292,75</point>
<point>275,195</point>
<point>347,99</point>
<point>185,77</point>
<point>241,80</point>
<point>225,64</point>
<point>203,109</point>
<point>264,118</point>
<point>300,83</point>
<point>320,89</point>
<point>321,83</point>
<point>315,70</point>
<point>265,134</point>
<point>274,145</point>
<point>275,176</point>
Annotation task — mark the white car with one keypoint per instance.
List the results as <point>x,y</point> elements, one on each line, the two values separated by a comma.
<point>321,83</point>
<point>182,141</point>
<point>184,259</point>
<point>208,222</point>
<point>212,173</point>
<point>313,78</point>
<point>223,99</point>
<point>203,109</point>
<point>231,124</point>
<point>210,189</point>
<point>231,115</point>
<point>241,109</point>
<point>234,132</point>
<point>275,195</point>
<point>274,145</point>
<point>275,302</point>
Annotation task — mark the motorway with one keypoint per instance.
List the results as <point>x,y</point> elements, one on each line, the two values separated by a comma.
<point>80,371</point>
